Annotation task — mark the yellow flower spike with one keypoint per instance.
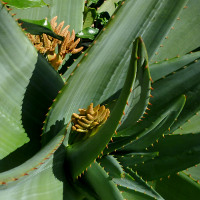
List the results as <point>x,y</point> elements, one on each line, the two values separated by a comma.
<point>89,119</point>
<point>90,109</point>
<point>53,22</point>
<point>47,42</point>
<point>73,46</point>
<point>86,120</point>
<point>81,130</point>
<point>64,44</point>
<point>37,39</point>
<point>65,31</point>
<point>52,57</point>
<point>58,29</point>
<point>96,108</point>
<point>78,126</point>
<point>75,115</point>
<point>82,111</point>
<point>72,36</point>
<point>48,45</point>
<point>84,125</point>
<point>77,50</point>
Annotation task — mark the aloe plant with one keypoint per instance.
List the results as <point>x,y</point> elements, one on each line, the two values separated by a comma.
<point>121,123</point>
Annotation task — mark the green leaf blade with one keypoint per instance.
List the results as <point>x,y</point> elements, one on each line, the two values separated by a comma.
<point>176,153</point>
<point>81,154</point>
<point>16,70</point>
<point>38,27</point>
<point>97,178</point>
<point>178,187</point>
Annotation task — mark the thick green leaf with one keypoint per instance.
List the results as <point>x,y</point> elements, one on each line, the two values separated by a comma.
<point>176,153</point>
<point>135,183</point>
<point>184,81</point>
<point>176,41</point>
<point>161,20</point>
<point>37,27</point>
<point>131,194</point>
<point>190,126</point>
<point>25,4</point>
<point>158,128</point>
<point>21,173</point>
<point>17,62</point>
<point>191,109</point>
<point>111,165</point>
<point>43,87</point>
<point>178,187</point>
<point>81,154</point>
<point>144,133</point>
<point>133,159</point>
<point>64,9</point>
<point>92,62</point>
<point>99,181</point>
<point>42,176</point>
<point>193,173</point>
<point>139,98</point>
<point>114,36</point>
<point>164,68</point>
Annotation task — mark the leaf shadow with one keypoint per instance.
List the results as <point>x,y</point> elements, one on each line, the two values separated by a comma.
<point>43,87</point>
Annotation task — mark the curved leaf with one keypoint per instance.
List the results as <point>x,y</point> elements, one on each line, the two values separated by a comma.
<point>176,42</point>
<point>134,183</point>
<point>178,187</point>
<point>99,181</point>
<point>22,173</point>
<point>164,68</point>
<point>176,153</point>
<point>111,165</point>
<point>158,128</point>
<point>37,27</point>
<point>80,155</point>
<point>133,159</point>
<point>139,98</point>
<point>64,9</point>
<point>16,70</point>
<point>41,90</point>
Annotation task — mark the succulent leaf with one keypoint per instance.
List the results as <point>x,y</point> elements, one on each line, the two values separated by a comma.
<point>168,187</point>
<point>15,74</point>
<point>61,165</point>
<point>38,27</point>
<point>64,9</point>
<point>166,67</point>
<point>133,159</point>
<point>158,128</point>
<point>176,153</point>
<point>134,183</point>
<point>41,160</point>
<point>182,43</point>
<point>112,166</point>
<point>81,155</point>
<point>99,181</point>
